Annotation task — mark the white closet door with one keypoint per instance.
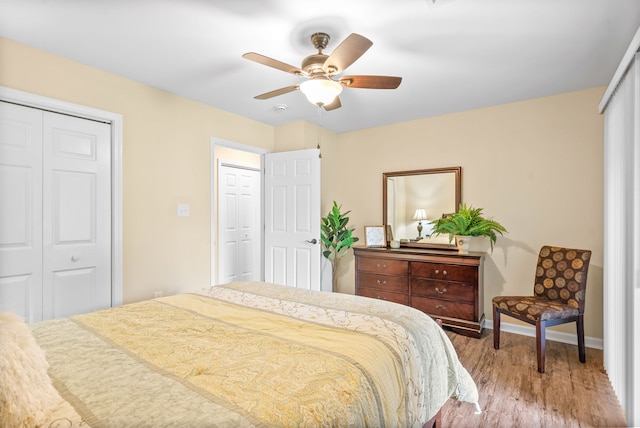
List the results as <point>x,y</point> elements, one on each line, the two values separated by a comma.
<point>77,216</point>
<point>240,243</point>
<point>21,211</point>
<point>55,213</point>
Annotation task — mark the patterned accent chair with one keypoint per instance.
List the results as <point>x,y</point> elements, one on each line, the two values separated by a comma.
<point>559,294</point>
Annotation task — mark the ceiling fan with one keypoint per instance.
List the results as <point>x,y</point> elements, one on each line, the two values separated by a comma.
<point>324,86</point>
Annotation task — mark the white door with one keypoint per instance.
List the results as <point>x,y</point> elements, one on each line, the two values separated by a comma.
<point>55,213</point>
<point>21,211</point>
<point>292,218</point>
<point>239,219</point>
<point>76,215</point>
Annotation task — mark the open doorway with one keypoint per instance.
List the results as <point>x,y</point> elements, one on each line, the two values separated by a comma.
<point>244,164</point>
<point>289,208</point>
<point>239,220</point>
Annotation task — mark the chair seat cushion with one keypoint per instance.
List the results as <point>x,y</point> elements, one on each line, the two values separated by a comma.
<point>535,308</point>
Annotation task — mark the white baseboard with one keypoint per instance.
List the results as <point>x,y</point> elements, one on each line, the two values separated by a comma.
<point>557,336</point>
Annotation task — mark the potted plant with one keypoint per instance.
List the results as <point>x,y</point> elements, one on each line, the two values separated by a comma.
<point>336,239</point>
<point>468,221</point>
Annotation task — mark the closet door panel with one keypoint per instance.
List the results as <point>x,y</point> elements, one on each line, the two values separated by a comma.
<point>21,211</point>
<point>77,207</point>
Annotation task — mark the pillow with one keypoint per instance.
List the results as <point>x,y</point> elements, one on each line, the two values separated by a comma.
<point>26,393</point>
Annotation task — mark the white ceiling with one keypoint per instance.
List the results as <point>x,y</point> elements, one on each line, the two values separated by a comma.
<point>457,55</point>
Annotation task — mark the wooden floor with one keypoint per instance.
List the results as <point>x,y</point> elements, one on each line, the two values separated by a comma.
<point>514,394</point>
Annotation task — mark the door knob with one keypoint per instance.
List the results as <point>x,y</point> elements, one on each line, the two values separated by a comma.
<point>314,241</point>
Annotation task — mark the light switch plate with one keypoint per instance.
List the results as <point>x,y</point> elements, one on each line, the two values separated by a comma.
<point>183,210</point>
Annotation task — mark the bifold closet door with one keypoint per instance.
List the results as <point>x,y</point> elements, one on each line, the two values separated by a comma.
<point>76,231</point>
<point>55,215</point>
<point>21,211</point>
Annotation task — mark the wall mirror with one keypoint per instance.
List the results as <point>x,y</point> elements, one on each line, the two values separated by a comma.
<point>411,200</point>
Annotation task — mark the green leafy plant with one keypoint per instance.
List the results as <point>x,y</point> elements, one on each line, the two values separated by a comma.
<point>468,221</point>
<point>336,238</point>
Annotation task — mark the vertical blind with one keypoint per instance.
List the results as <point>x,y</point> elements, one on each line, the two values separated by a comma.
<point>621,107</point>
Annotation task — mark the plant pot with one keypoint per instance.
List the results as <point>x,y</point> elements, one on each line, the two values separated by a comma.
<point>462,242</point>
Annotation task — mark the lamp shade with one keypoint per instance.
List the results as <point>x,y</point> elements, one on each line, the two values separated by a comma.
<point>321,91</point>
<point>420,214</point>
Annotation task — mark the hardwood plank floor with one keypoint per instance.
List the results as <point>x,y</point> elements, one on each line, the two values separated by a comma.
<point>514,394</point>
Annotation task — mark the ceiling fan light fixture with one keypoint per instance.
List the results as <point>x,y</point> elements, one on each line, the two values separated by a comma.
<point>321,91</point>
<point>323,87</point>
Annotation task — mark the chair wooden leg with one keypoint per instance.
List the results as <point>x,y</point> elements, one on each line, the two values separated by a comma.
<point>496,328</point>
<point>581,351</point>
<point>540,344</point>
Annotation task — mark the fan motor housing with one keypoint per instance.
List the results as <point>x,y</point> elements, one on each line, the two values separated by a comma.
<point>313,63</point>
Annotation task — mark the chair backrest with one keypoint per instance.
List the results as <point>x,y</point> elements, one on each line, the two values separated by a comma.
<point>561,275</point>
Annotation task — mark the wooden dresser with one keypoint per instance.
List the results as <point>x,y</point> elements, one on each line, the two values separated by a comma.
<point>444,284</point>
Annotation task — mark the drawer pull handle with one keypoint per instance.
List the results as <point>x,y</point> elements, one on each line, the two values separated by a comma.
<point>444,272</point>
<point>444,290</point>
<point>437,271</point>
<point>441,307</point>
<point>383,266</point>
<point>382,298</point>
<point>382,282</point>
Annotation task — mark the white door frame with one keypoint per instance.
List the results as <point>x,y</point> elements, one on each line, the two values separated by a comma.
<point>214,171</point>
<point>115,120</point>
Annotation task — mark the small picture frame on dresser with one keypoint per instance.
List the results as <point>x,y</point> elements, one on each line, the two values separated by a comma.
<point>375,236</point>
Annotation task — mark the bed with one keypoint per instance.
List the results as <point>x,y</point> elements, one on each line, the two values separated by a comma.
<point>251,354</point>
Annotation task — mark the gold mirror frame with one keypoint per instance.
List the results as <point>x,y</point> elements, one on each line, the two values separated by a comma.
<point>423,174</point>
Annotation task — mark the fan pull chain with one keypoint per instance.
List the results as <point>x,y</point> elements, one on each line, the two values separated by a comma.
<point>319,128</point>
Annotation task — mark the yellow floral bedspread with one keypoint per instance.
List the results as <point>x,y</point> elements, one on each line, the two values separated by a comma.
<point>254,354</point>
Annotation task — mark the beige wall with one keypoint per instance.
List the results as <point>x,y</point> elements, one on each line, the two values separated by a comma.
<point>535,166</point>
<point>166,161</point>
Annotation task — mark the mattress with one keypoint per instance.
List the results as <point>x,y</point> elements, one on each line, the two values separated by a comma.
<point>252,354</point>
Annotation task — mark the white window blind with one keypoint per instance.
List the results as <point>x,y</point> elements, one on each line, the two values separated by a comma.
<point>621,272</point>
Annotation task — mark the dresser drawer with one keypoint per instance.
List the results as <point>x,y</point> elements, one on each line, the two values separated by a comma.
<point>444,271</point>
<point>442,289</point>
<point>384,295</point>
<point>384,266</point>
<point>443,284</point>
<point>444,308</point>
<point>384,282</point>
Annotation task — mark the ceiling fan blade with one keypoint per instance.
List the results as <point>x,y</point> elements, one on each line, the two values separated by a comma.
<point>274,63</point>
<point>277,92</point>
<point>334,104</point>
<point>346,53</point>
<point>371,82</point>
